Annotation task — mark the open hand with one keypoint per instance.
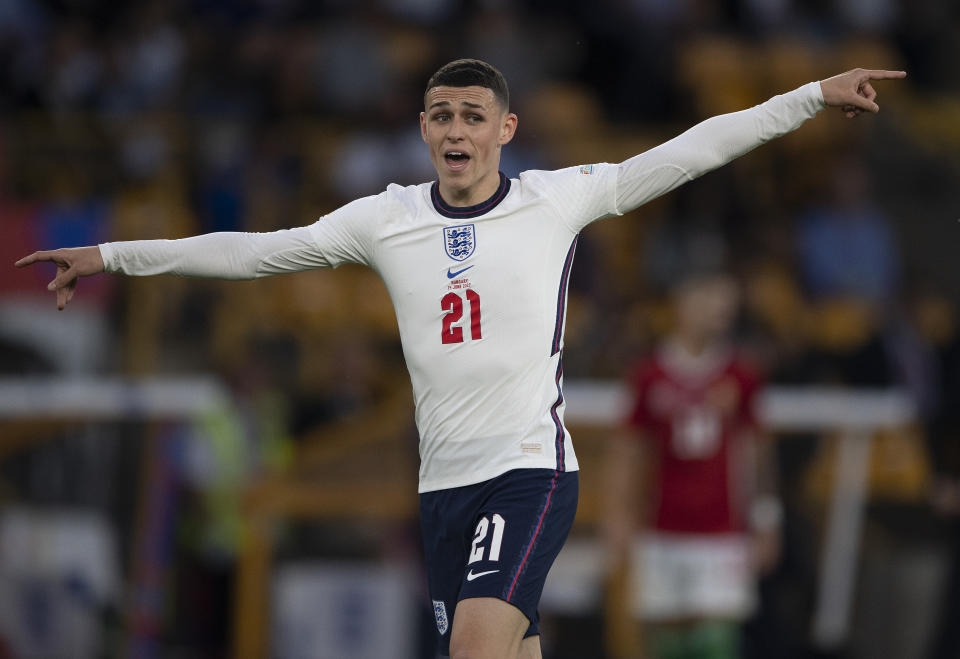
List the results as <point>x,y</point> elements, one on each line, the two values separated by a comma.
<point>852,91</point>
<point>72,263</point>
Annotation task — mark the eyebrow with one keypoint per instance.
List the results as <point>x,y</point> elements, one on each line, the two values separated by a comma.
<point>467,103</point>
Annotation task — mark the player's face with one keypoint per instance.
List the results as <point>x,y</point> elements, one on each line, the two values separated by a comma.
<point>707,308</point>
<point>464,127</point>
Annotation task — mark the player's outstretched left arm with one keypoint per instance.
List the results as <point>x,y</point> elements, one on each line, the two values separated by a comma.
<point>852,91</point>
<point>720,139</point>
<point>72,263</point>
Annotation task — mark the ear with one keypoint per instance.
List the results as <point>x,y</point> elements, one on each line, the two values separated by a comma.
<point>423,126</point>
<point>507,128</point>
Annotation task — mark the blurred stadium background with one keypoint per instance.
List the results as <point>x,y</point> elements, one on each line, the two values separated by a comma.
<point>192,468</point>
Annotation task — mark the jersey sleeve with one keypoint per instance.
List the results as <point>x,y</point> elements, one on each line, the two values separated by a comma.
<point>347,235</point>
<point>344,235</point>
<point>710,144</point>
<point>581,194</point>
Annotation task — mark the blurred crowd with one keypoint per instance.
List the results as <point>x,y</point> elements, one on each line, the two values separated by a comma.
<point>168,118</point>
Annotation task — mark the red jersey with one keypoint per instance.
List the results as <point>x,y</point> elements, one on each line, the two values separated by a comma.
<point>695,414</point>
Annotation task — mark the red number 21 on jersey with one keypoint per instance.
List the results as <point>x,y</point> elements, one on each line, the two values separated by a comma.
<point>452,303</point>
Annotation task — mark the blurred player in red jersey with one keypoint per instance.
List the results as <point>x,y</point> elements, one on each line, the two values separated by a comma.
<point>709,511</point>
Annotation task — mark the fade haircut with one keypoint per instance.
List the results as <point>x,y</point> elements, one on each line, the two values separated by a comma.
<point>469,73</point>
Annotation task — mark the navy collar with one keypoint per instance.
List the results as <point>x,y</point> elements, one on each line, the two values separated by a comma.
<point>460,212</point>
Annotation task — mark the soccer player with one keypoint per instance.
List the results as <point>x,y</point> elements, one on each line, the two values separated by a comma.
<point>711,519</point>
<point>476,266</point>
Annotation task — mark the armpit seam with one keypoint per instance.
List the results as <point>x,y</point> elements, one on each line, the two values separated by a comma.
<point>647,172</point>
<point>260,271</point>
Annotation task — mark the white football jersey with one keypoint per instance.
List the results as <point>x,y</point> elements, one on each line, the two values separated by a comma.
<point>480,292</point>
<point>480,296</point>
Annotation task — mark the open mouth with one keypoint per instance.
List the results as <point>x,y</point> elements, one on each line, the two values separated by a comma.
<point>456,159</point>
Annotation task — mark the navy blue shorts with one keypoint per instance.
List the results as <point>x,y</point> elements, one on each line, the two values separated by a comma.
<point>496,539</point>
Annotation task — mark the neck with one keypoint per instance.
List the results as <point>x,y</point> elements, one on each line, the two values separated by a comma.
<point>474,194</point>
<point>693,343</point>
<point>694,359</point>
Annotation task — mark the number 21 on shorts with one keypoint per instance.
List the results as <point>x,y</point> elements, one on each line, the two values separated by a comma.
<point>477,549</point>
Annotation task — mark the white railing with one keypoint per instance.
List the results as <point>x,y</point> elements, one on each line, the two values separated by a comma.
<point>108,398</point>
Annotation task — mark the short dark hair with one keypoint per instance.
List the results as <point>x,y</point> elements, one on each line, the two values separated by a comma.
<point>470,72</point>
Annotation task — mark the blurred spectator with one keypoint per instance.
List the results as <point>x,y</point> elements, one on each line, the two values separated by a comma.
<point>76,69</point>
<point>875,16</point>
<point>926,35</point>
<point>425,11</point>
<point>350,68</point>
<point>767,15</point>
<point>368,161</point>
<point>150,59</point>
<point>528,50</point>
<point>224,158</point>
<point>846,244</point>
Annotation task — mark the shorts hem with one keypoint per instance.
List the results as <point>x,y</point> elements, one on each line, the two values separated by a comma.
<point>502,599</point>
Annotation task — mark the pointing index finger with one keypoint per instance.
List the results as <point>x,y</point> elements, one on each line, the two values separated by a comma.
<point>880,74</point>
<point>32,258</point>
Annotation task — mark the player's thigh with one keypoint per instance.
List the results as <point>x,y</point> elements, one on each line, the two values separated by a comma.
<point>487,628</point>
<point>530,648</point>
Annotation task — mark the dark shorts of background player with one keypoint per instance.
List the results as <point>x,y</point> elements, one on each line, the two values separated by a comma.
<point>468,557</point>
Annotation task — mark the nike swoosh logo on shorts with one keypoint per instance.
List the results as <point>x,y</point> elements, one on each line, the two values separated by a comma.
<point>471,576</point>
<point>451,275</point>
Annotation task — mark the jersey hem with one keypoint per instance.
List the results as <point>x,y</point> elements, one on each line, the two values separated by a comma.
<point>481,476</point>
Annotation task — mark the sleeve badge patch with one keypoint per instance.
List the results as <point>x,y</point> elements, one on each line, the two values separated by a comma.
<point>440,611</point>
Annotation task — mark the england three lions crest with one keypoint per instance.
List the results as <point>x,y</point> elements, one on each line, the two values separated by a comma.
<point>459,241</point>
